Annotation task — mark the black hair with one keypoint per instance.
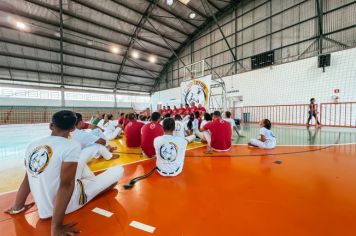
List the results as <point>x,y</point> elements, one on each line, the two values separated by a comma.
<point>155,116</point>
<point>227,114</point>
<point>109,116</point>
<point>190,122</point>
<point>187,104</point>
<point>79,118</point>
<point>168,106</point>
<point>312,99</point>
<point>196,114</point>
<point>126,116</point>
<point>102,116</point>
<point>169,124</point>
<point>267,124</point>
<point>167,115</point>
<point>207,117</point>
<point>131,116</point>
<point>64,120</point>
<point>177,117</point>
<point>122,114</point>
<point>217,113</point>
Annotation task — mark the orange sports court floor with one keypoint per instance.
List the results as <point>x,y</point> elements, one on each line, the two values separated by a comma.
<point>312,191</point>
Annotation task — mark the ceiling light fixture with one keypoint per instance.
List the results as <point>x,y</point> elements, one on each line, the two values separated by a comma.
<point>153,59</point>
<point>192,15</point>
<point>169,2</point>
<point>135,55</point>
<point>20,25</point>
<point>115,50</point>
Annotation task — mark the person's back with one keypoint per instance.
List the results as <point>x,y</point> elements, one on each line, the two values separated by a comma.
<point>149,132</point>
<point>170,151</point>
<point>133,132</point>
<point>43,163</point>
<point>220,133</point>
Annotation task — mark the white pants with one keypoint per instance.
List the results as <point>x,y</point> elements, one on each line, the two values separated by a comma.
<point>190,138</point>
<point>87,185</point>
<point>204,136</point>
<point>260,144</point>
<point>112,134</point>
<point>103,151</point>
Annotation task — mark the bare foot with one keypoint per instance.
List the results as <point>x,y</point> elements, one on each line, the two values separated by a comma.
<point>115,156</point>
<point>111,149</point>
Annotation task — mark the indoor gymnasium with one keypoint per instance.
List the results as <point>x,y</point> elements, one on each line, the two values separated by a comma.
<point>178,117</point>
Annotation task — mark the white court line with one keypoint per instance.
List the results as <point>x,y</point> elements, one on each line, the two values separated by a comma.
<point>102,212</point>
<point>142,226</point>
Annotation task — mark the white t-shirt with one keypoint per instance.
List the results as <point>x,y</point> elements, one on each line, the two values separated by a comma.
<point>85,138</point>
<point>179,130</point>
<point>43,161</point>
<point>170,151</point>
<point>101,124</point>
<point>269,136</point>
<point>232,123</point>
<point>204,122</point>
<point>109,126</point>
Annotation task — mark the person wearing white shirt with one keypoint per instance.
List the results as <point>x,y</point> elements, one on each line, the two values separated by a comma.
<point>205,135</point>
<point>170,150</point>
<point>87,139</point>
<point>233,124</point>
<point>54,176</point>
<point>111,130</point>
<point>179,130</point>
<point>267,138</point>
<point>189,128</point>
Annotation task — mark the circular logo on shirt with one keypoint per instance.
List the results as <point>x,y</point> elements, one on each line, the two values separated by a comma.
<point>152,126</point>
<point>168,151</point>
<point>39,159</point>
<point>196,91</point>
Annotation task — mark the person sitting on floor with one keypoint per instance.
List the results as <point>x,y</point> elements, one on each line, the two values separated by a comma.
<point>220,131</point>
<point>111,129</point>
<point>87,139</point>
<point>205,135</point>
<point>54,176</point>
<point>133,132</point>
<point>267,138</point>
<point>149,132</point>
<point>121,119</point>
<point>179,127</point>
<point>170,150</point>
<point>233,124</point>
<point>189,128</point>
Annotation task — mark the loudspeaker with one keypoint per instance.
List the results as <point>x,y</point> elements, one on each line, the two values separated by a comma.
<point>324,60</point>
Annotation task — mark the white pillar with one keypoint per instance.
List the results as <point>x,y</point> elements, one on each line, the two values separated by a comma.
<point>115,99</point>
<point>63,100</point>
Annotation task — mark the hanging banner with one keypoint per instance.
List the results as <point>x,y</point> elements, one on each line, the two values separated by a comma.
<point>197,91</point>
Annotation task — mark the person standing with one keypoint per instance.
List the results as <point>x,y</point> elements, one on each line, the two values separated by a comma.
<point>313,111</point>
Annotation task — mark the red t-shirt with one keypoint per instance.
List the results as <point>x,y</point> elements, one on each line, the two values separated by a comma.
<point>133,133</point>
<point>148,133</point>
<point>169,111</point>
<point>86,125</point>
<point>121,120</point>
<point>193,109</point>
<point>201,110</point>
<point>181,111</point>
<point>220,134</point>
<point>175,111</point>
<point>164,111</point>
<point>187,111</point>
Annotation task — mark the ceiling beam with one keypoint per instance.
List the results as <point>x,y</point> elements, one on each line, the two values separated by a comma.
<point>90,20</point>
<point>70,53</point>
<point>67,75</point>
<point>61,38</point>
<point>143,20</point>
<point>152,17</point>
<point>214,5</point>
<point>116,16</point>
<point>193,9</point>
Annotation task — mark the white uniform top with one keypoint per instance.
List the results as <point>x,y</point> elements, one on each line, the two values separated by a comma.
<point>109,126</point>
<point>101,124</point>
<point>269,136</point>
<point>232,122</point>
<point>170,151</point>
<point>85,138</point>
<point>43,163</point>
<point>204,122</point>
<point>179,130</point>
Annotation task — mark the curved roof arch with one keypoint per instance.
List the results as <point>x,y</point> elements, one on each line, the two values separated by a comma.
<point>111,44</point>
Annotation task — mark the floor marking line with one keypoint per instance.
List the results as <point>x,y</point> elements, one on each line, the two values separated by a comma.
<point>102,212</point>
<point>142,226</point>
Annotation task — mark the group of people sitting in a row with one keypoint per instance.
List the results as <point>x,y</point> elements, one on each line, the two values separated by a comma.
<point>60,180</point>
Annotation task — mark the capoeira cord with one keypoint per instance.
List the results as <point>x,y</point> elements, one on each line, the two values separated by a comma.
<point>134,180</point>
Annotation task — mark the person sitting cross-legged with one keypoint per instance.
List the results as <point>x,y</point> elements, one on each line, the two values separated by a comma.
<point>133,132</point>
<point>54,176</point>
<point>170,150</point>
<point>149,132</point>
<point>220,132</point>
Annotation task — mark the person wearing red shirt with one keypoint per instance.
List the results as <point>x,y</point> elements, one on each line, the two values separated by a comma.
<point>175,110</point>
<point>187,109</point>
<point>149,132</point>
<point>133,132</point>
<point>193,107</point>
<point>181,110</point>
<point>201,109</point>
<point>169,110</point>
<point>121,119</point>
<point>220,131</point>
<point>163,111</point>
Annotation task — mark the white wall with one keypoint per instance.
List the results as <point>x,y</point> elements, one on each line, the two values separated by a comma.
<point>169,97</point>
<point>297,82</point>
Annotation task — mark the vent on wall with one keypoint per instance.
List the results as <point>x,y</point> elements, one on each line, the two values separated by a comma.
<point>262,60</point>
